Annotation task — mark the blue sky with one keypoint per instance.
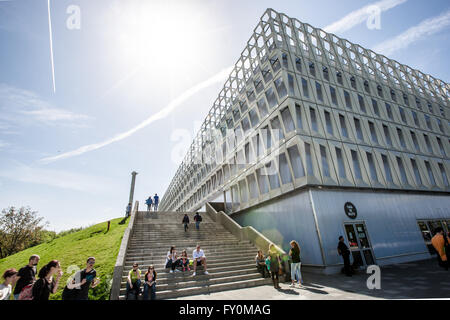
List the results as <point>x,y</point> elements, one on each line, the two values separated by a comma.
<point>131,60</point>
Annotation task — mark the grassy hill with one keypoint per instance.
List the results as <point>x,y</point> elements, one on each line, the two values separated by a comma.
<point>72,251</point>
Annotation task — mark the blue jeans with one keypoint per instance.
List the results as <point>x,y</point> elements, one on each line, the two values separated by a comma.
<point>295,270</point>
<point>136,288</point>
<point>16,296</point>
<point>197,225</point>
<point>155,207</point>
<point>152,289</point>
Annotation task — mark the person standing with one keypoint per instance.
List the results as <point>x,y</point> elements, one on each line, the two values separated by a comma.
<point>155,202</point>
<point>438,242</point>
<point>185,222</point>
<point>26,275</point>
<point>197,219</point>
<point>46,284</point>
<point>199,258</point>
<point>274,257</point>
<point>149,203</point>
<point>128,210</point>
<point>150,283</point>
<point>78,288</point>
<point>294,253</point>
<point>345,253</point>
<point>10,277</point>
<point>134,281</point>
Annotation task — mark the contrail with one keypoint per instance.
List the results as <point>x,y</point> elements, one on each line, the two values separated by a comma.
<point>220,77</point>
<point>51,46</point>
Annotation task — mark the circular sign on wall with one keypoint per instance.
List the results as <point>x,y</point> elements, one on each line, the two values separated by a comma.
<point>350,210</point>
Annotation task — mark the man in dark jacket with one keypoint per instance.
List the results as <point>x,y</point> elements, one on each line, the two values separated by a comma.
<point>26,275</point>
<point>185,222</point>
<point>345,253</point>
<point>197,219</point>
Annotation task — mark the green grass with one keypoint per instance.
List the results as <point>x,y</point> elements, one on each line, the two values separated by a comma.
<point>72,252</point>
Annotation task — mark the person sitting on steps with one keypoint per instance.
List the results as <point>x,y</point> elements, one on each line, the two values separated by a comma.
<point>172,260</point>
<point>199,258</point>
<point>185,261</point>
<point>134,281</point>
<point>261,264</point>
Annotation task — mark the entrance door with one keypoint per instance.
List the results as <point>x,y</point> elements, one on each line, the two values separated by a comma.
<point>359,243</point>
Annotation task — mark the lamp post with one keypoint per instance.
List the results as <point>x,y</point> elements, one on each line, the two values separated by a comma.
<point>133,180</point>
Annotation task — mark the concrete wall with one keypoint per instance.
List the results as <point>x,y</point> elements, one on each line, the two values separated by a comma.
<point>390,219</point>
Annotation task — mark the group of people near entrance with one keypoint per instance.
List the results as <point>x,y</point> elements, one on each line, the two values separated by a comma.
<point>174,262</point>
<point>24,285</point>
<point>271,263</point>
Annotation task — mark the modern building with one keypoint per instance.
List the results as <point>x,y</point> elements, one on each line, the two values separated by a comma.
<point>313,137</point>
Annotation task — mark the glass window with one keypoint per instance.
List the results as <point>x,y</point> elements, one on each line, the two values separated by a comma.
<point>275,62</point>
<point>287,119</point>
<point>389,111</point>
<point>333,96</point>
<point>353,82</point>
<point>267,137</point>
<point>262,181</point>
<point>281,88</point>
<point>267,74</point>
<point>373,171</point>
<point>373,132</point>
<point>439,123</point>
<point>444,174</point>
<point>291,85</point>
<point>362,105</point>
<point>387,168</point>
<point>402,114</point>
<point>416,119</point>
<point>272,174</point>
<point>305,88</point>
<point>405,99</point>
<point>251,95</point>
<point>400,137</point>
<point>343,126</point>
<point>319,92</point>
<point>325,168</point>
<point>325,73</point>
<point>259,86</point>
<point>402,170</point>
<point>375,107</point>
<point>277,129</point>
<point>296,162</point>
<point>245,125</point>
<point>339,77</point>
<point>366,86</point>
<point>257,145</point>
<point>430,173</point>
<point>271,99</point>
<point>348,102</point>
<point>285,172</point>
<point>427,142</point>
<point>393,96</point>
<point>298,64</point>
<point>298,115</point>
<point>414,139</point>
<point>312,69</point>
<point>254,119</point>
<point>356,166</point>
<point>387,135</point>
<point>380,91</point>
<point>243,106</point>
<point>309,164</point>
<point>416,172</point>
<point>284,59</point>
<point>328,122</point>
<point>441,147</point>
<point>428,121</point>
<point>313,119</point>
<point>359,134</point>
<point>262,107</point>
<point>341,166</point>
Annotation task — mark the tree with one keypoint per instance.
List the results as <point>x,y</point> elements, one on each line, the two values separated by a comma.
<point>19,229</point>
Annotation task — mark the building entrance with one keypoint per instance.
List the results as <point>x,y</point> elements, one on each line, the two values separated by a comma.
<point>359,242</point>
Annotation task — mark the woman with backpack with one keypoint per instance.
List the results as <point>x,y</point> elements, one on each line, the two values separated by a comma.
<point>46,284</point>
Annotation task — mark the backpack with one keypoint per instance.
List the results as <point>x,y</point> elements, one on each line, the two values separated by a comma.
<point>27,292</point>
<point>199,218</point>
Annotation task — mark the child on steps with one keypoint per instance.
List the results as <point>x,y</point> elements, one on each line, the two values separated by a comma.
<point>185,261</point>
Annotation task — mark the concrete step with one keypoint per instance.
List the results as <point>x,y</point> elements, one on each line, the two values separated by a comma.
<point>143,265</point>
<point>209,253</point>
<point>165,273</point>
<point>188,243</point>
<point>183,238</point>
<point>183,292</point>
<point>192,282</point>
<point>158,262</point>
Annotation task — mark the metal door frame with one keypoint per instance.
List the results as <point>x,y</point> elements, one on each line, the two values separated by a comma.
<point>363,222</point>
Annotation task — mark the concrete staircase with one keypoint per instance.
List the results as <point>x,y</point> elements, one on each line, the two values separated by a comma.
<point>230,261</point>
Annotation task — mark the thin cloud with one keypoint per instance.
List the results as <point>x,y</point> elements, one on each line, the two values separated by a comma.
<point>19,107</point>
<point>424,29</point>
<point>220,77</point>
<point>359,16</point>
<point>60,179</point>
